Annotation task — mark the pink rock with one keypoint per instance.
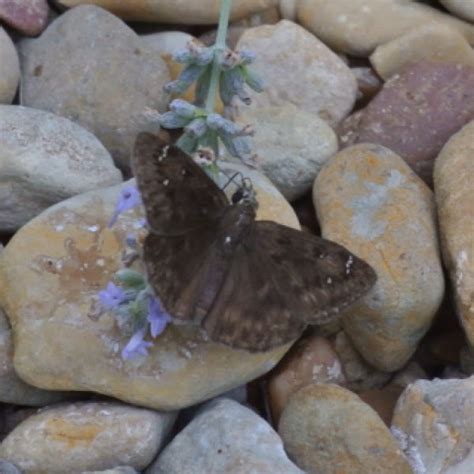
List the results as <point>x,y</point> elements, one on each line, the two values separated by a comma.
<point>415,113</point>
<point>27,16</point>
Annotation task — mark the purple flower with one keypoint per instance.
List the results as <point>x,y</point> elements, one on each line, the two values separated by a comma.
<point>129,198</point>
<point>112,296</point>
<point>136,346</point>
<point>157,317</point>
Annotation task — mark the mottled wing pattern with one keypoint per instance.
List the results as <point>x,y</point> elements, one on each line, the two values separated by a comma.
<point>250,312</point>
<point>322,276</point>
<point>177,194</point>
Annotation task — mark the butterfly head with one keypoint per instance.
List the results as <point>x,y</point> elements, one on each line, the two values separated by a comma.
<point>245,195</point>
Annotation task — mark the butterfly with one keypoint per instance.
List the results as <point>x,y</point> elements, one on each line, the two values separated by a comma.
<point>249,284</point>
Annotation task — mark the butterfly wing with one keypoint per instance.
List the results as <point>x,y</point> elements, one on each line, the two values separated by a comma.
<point>280,280</point>
<point>177,194</point>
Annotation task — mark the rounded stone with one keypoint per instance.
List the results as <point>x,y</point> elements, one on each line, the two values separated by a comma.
<point>44,159</point>
<point>291,146</point>
<point>13,389</point>
<point>90,67</point>
<point>454,169</point>
<point>434,423</point>
<point>431,42</point>
<point>69,253</point>
<point>26,16</point>
<point>190,12</point>
<point>462,8</point>
<point>357,27</point>
<point>86,436</point>
<point>287,52</point>
<point>369,200</point>
<point>310,360</point>
<point>10,70</point>
<point>415,113</point>
<point>327,428</point>
<point>225,437</point>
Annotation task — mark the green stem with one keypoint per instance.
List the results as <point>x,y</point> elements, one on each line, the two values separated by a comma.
<point>219,47</point>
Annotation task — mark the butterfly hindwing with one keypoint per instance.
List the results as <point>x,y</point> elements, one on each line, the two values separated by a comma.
<point>323,276</point>
<point>177,194</point>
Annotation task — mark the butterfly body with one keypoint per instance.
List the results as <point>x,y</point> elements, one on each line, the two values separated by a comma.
<point>250,284</point>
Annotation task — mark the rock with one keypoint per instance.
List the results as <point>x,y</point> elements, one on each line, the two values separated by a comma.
<point>291,146</point>
<point>8,468</point>
<point>415,113</point>
<point>466,358</point>
<point>121,79</point>
<point>10,71</point>
<point>357,27</point>
<point>11,416</point>
<point>44,159</point>
<point>189,12</point>
<point>461,8</point>
<point>382,401</point>
<point>311,360</point>
<point>288,9</point>
<point>69,254</point>
<point>454,168</point>
<point>431,42</point>
<point>29,17</point>
<point>225,437</point>
<point>115,470</point>
<point>287,53</point>
<point>270,16</point>
<point>327,428</point>
<point>368,83</point>
<point>87,436</point>
<point>369,200</point>
<point>12,388</point>
<point>409,374</point>
<point>434,422</point>
<point>359,375</point>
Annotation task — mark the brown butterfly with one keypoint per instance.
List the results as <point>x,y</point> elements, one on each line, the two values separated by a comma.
<point>250,284</point>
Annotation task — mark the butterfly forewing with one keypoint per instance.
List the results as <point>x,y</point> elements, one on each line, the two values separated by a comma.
<point>177,194</point>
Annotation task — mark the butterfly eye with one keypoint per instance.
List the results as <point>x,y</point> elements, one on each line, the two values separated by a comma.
<point>237,196</point>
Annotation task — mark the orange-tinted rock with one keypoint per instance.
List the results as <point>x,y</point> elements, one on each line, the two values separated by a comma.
<point>370,201</point>
<point>328,429</point>
<point>311,360</point>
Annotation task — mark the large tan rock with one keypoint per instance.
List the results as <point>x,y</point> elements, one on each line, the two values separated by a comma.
<point>357,27</point>
<point>454,169</point>
<point>10,70</point>
<point>369,200</point>
<point>300,69</point>
<point>190,12</point>
<point>52,270</point>
<point>327,428</point>
<point>433,42</point>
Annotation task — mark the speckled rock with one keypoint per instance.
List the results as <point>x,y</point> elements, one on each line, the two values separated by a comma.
<point>121,78</point>
<point>369,200</point>
<point>434,422</point>
<point>225,437</point>
<point>359,375</point>
<point>327,428</point>
<point>44,159</point>
<point>69,254</point>
<point>462,8</point>
<point>115,470</point>
<point>454,169</point>
<point>286,52</point>
<point>431,42</point>
<point>10,70</point>
<point>191,12</point>
<point>291,146</point>
<point>357,27</point>
<point>310,360</point>
<point>86,436</point>
<point>27,16</point>
<point>415,113</point>
<point>12,388</point>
